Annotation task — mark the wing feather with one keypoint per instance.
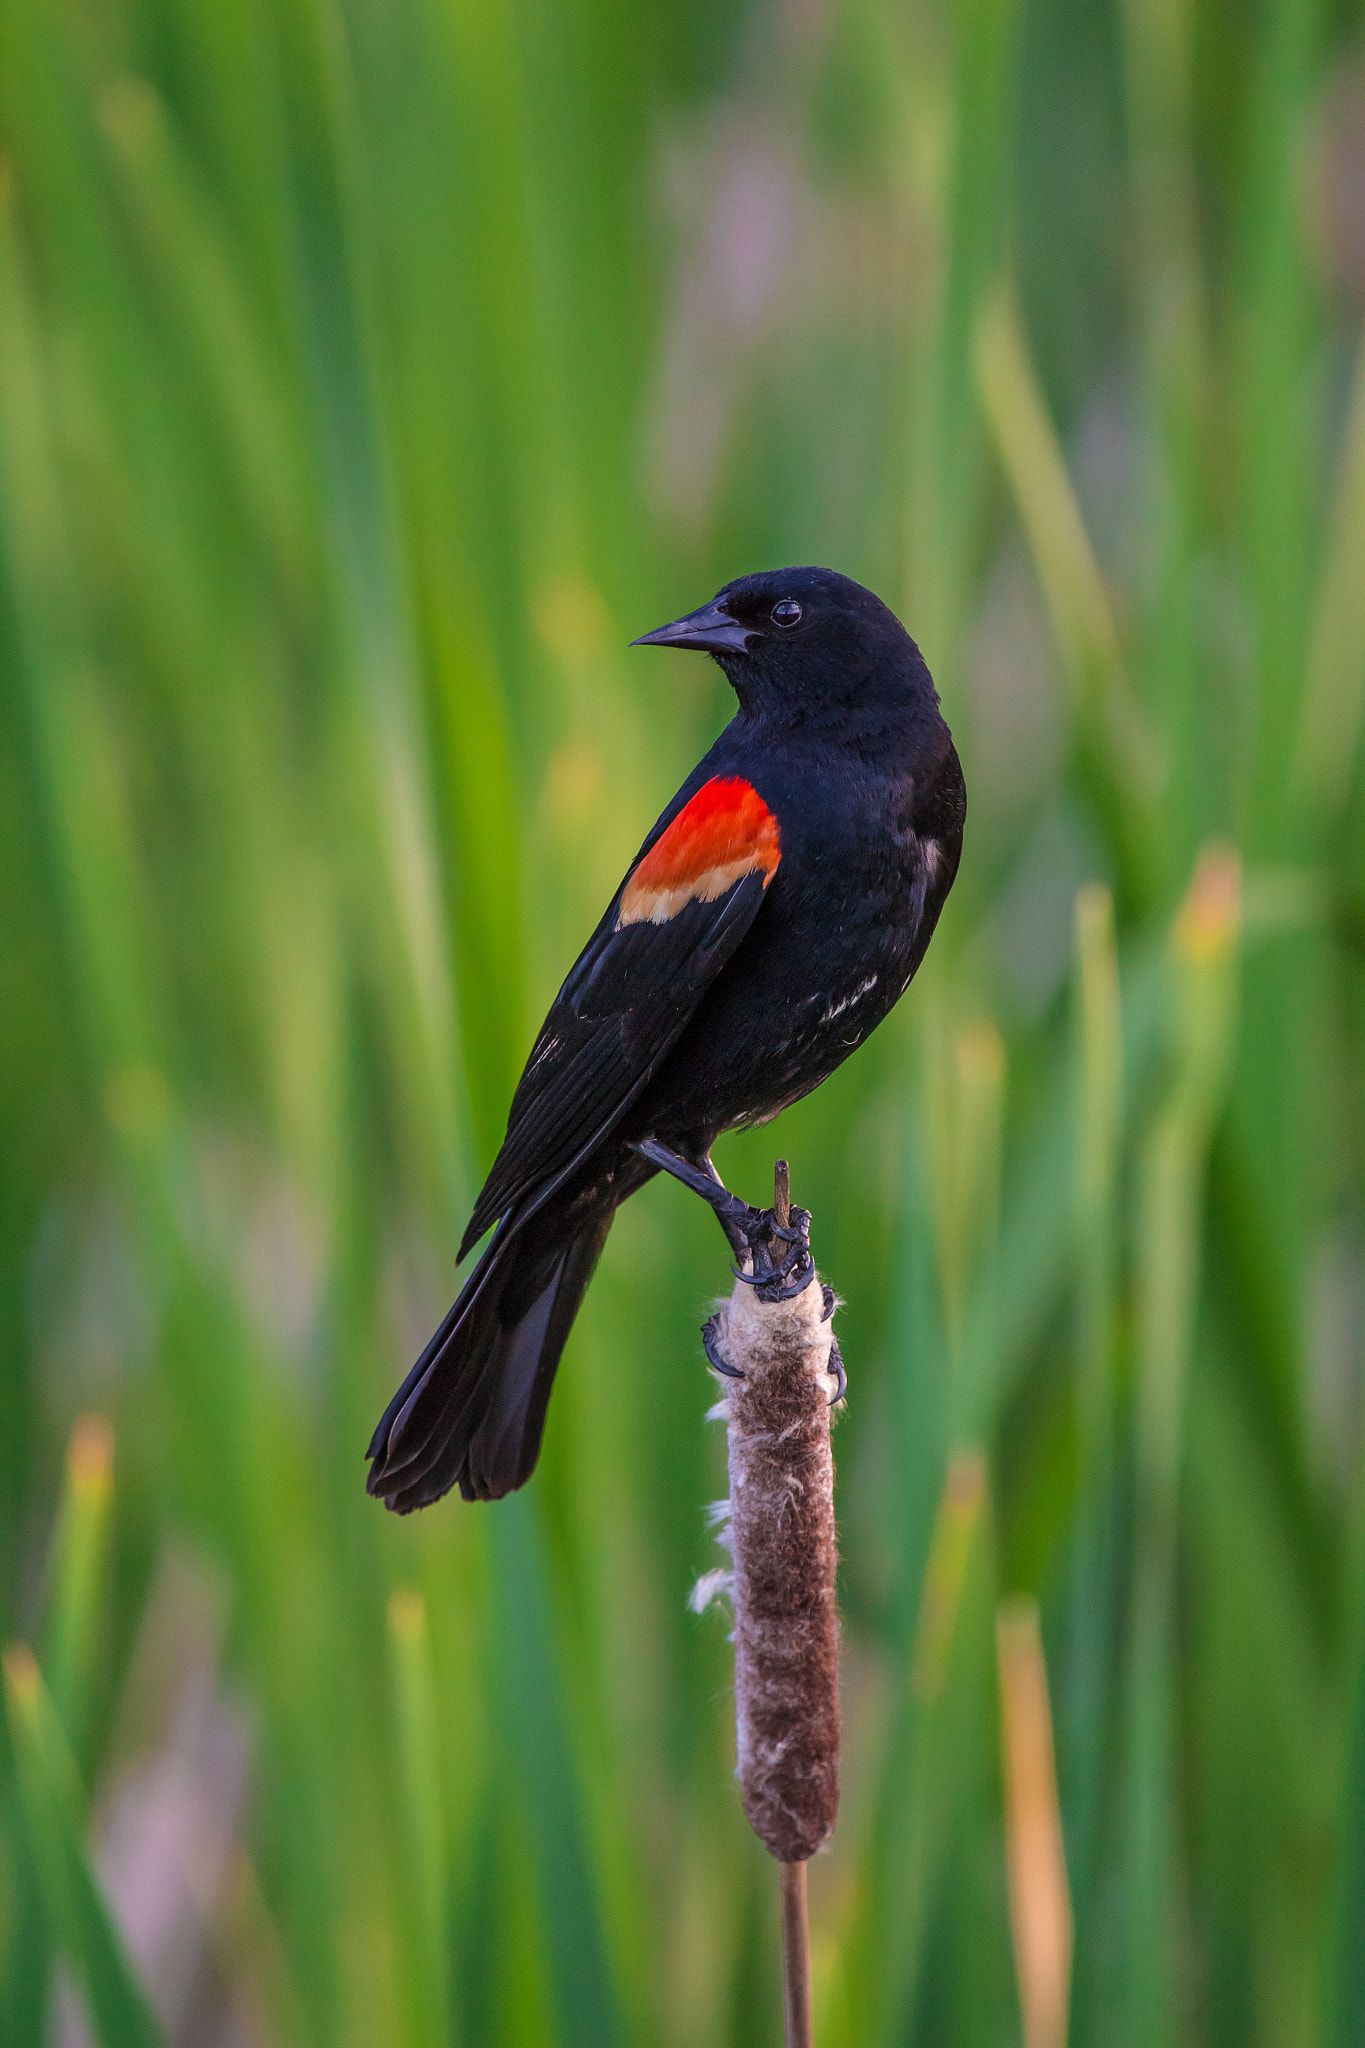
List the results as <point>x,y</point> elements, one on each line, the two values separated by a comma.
<point>624,1003</point>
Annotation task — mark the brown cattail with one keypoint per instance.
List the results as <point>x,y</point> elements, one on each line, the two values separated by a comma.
<point>779,1529</point>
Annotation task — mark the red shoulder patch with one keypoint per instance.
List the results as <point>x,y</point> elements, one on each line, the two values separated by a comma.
<point>723,833</point>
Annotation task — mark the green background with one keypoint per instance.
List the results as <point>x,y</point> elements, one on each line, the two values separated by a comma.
<point>370,372</point>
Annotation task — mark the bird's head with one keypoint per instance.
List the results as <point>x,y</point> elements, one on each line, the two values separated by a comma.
<point>800,645</point>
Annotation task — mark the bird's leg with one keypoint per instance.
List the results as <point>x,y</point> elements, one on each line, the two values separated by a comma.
<point>741,1223</point>
<point>748,1231</point>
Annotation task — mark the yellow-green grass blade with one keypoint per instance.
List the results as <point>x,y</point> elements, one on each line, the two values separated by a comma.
<point>78,1918</point>
<point>586,1991</point>
<point>1173,1163</point>
<point>930,1774</point>
<point>973,198</point>
<point>1097,1110</point>
<point>1125,759</point>
<point>77,1599</point>
<point>423,1966</point>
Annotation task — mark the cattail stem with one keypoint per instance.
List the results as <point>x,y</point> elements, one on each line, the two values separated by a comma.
<point>796,1956</point>
<point>779,1528</point>
<point>782,1194</point>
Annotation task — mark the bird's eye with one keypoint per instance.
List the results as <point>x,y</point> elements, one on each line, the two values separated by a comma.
<point>787,613</point>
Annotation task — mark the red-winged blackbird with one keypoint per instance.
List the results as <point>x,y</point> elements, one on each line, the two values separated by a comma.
<point>776,912</point>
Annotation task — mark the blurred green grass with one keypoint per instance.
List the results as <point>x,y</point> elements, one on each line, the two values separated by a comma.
<point>368,375</point>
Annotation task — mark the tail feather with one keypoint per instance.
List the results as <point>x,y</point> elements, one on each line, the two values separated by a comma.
<point>396,1422</point>
<point>472,1410</point>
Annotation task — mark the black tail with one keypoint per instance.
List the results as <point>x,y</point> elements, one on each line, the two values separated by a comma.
<point>472,1409</point>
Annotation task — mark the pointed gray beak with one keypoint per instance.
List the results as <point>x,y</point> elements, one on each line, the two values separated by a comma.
<point>710,629</point>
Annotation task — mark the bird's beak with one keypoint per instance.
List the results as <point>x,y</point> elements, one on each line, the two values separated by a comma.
<point>711,630</point>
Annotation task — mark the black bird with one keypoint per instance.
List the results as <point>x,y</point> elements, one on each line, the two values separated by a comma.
<point>773,916</point>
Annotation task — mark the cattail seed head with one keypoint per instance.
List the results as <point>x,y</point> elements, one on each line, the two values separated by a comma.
<point>781,1535</point>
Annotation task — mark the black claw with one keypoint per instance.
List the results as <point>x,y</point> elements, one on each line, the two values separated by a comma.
<point>830,1302</point>
<point>797,1260</point>
<point>796,1234</point>
<point>782,1279</point>
<point>836,1366</point>
<point>787,1282</point>
<point>714,1357</point>
<point>791,1274</point>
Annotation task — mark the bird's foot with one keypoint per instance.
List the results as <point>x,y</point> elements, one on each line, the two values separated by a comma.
<point>776,1257</point>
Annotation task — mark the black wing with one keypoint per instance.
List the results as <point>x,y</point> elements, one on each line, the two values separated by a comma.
<point>627,998</point>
